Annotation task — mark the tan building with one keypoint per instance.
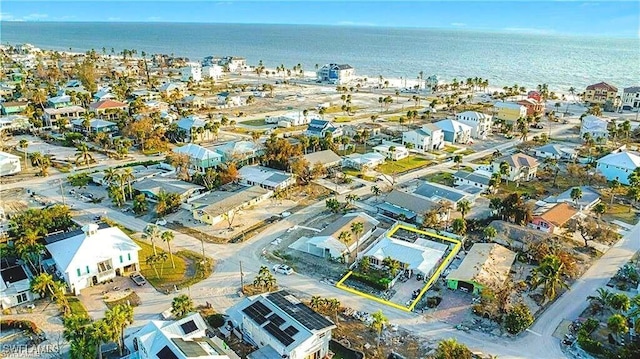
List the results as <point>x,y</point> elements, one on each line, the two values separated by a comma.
<point>600,93</point>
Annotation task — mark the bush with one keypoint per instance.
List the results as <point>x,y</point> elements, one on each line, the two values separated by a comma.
<point>20,324</point>
<point>590,325</point>
<point>588,344</point>
<point>518,319</point>
<point>377,283</point>
<point>216,320</point>
<point>433,302</point>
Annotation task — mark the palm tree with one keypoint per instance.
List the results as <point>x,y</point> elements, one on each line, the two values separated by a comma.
<point>162,258</point>
<point>549,274</point>
<point>379,321</point>
<point>153,261</point>
<point>316,302</point>
<point>119,317</point>
<point>459,226</point>
<point>357,228</point>
<point>458,159</point>
<point>602,300</point>
<point>576,194</point>
<point>101,332</point>
<point>614,185</point>
<point>167,236</point>
<point>619,302</point>
<point>617,323</point>
<point>43,284</point>
<point>153,233</point>
<point>127,176</point>
<point>23,144</point>
<point>451,349</point>
<point>505,169</point>
<point>393,265</point>
<point>489,233</point>
<point>77,331</point>
<point>375,190</point>
<point>345,237</point>
<point>181,306</point>
<point>464,207</point>
<point>83,155</point>
<point>600,209</point>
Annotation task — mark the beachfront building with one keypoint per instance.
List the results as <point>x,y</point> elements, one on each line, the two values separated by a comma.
<point>281,326</point>
<point>479,122</point>
<point>110,109</point>
<point>535,95</point>
<point>602,94</point>
<point>508,112</point>
<point>217,206</point>
<point>14,122</point>
<point>103,93</point>
<point>392,151</point>
<point>427,138</point>
<point>336,74</point>
<point>59,101</point>
<point>212,72</point>
<point>200,158</point>
<point>454,131</point>
<point>322,129</point>
<point>595,127</point>
<point>534,107</point>
<point>191,72</point>
<point>618,166</point>
<point>265,177</point>
<point>631,98</point>
<point>292,119</point>
<point>363,161</point>
<point>521,167</point>
<point>9,164</point>
<point>13,107</point>
<point>486,265</point>
<point>92,255</point>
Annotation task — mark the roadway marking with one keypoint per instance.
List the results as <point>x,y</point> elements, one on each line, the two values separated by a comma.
<point>534,333</point>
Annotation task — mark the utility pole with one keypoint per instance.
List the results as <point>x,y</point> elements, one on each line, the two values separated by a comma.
<point>204,258</point>
<point>241,279</point>
<point>62,193</point>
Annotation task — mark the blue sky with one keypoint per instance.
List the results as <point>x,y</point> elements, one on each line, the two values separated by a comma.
<point>605,18</point>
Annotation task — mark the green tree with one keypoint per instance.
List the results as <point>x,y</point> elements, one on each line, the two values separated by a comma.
<point>601,300</point>
<point>153,261</point>
<point>23,144</point>
<point>620,302</point>
<point>600,209</point>
<point>549,275</point>
<point>393,265</point>
<point>617,323</point>
<point>140,205</point>
<point>576,194</point>
<point>459,226</point>
<point>505,170</point>
<point>518,318</point>
<point>357,228</point>
<point>378,323</point>
<point>78,333</point>
<point>167,236</point>
<point>464,207</point>
<point>345,237</point>
<point>451,349</point>
<point>119,317</point>
<point>375,190</point>
<point>489,233</point>
<point>181,306</point>
<point>83,155</point>
<point>458,160</point>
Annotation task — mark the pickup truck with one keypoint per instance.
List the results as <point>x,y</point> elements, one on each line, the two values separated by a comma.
<point>138,279</point>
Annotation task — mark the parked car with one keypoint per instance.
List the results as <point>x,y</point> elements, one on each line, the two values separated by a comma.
<point>138,279</point>
<point>161,222</point>
<point>283,269</point>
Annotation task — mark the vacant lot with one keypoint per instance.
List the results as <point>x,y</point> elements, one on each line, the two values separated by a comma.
<point>403,165</point>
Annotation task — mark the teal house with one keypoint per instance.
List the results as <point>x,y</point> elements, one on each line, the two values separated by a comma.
<point>200,158</point>
<point>13,107</point>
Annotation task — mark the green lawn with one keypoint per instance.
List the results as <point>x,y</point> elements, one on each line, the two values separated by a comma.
<point>259,122</point>
<point>341,119</point>
<point>619,212</point>
<point>444,178</point>
<point>403,165</point>
<point>351,171</point>
<point>532,188</point>
<point>467,152</point>
<point>76,306</point>
<point>338,109</point>
<point>168,275</point>
<point>450,149</point>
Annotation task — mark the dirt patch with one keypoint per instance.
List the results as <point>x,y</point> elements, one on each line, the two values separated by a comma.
<point>131,299</point>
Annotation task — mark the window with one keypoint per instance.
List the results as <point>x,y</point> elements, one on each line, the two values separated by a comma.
<point>21,298</point>
<point>78,271</point>
<point>129,256</point>
<point>87,269</point>
<point>120,259</point>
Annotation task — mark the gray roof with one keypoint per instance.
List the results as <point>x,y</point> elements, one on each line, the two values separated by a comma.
<point>170,185</point>
<point>589,197</point>
<point>473,177</point>
<point>632,89</point>
<point>435,191</point>
<point>344,224</point>
<point>324,157</point>
<point>414,203</point>
<point>555,149</point>
<point>219,202</point>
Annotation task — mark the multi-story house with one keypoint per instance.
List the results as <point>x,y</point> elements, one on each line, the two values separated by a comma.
<point>479,122</point>
<point>454,131</point>
<point>618,166</point>
<point>110,109</point>
<point>15,284</point>
<point>602,94</point>
<point>534,107</point>
<point>321,129</point>
<point>192,71</point>
<point>392,151</point>
<point>521,167</point>
<point>336,74</point>
<point>427,138</point>
<point>631,98</point>
<point>509,112</point>
<point>595,127</point>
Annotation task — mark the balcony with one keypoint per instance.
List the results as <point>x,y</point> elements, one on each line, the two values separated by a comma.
<point>105,271</point>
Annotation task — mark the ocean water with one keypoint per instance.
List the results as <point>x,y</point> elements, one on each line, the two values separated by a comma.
<point>504,59</point>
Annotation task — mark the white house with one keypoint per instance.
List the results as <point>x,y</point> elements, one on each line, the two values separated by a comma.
<point>180,339</point>
<point>454,131</point>
<point>363,162</point>
<point>281,326</point>
<point>392,151</point>
<point>265,177</point>
<point>480,123</point>
<point>15,285</point>
<point>521,167</point>
<point>336,74</point>
<point>212,72</point>
<point>595,127</point>
<point>92,255</point>
<point>618,166</point>
<point>428,137</point>
<point>631,98</point>
<point>475,179</point>
<point>292,119</point>
<point>192,71</point>
<point>556,151</point>
<point>9,164</point>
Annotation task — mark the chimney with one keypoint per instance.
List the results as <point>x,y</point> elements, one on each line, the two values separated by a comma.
<point>90,229</point>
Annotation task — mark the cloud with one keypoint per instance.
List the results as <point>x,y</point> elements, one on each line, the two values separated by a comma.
<point>224,3</point>
<point>114,19</point>
<point>35,16</point>
<point>529,30</point>
<point>5,16</point>
<point>458,24</point>
<point>154,18</point>
<point>355,23</point>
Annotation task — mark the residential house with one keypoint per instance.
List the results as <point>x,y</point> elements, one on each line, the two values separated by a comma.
<point>336,74</point>
<point>139,173</point>
<point>437,193</point>
<point>551,220</point>
<point>454,131</point>
<point>590,197</point>
<point>193,127</point>
<point>15,284</point>
<point>92,255</point>
<point>534,107</point>
<point>193,101</point>
<point>485,265</point>
<point>59,101</point>
<point>322,129</point>
<point>14,122</point>
<point>240,151</point>
<point>369,129</point>
<point>602,94</point>
<point>327,158</point>
<point>508,112</point>
<point>363,162</point>
<point>103,93</point>
<point>200,158</point>
<point>13,107</point>
<point>52,115</point>
<point>327,243</point>
<point>9,164</point>
<point>185,338</point>
<point>535,95</point>
<point>231,63</point>
<point>479,122</point>
<point>521,167</point>
<point>212,72</point>
<point>427,138</point>
<point>266,177</point>
<point>170,88</point>
<point>631,98</point>
<point>281,325</point>
<point>408,207</point>
<point>292,119</point>
<point>557,151</point>
<point>108,108</point>
<point>421,256</point>
<point>146,95</point>
<point>476,179</point>
<point>392,151</point>
<point>618,166</point>
<point>152,186</point>
<point>595,127</point>
<point>191,72</point>
<point>95,126</point>
<point>217,206</point>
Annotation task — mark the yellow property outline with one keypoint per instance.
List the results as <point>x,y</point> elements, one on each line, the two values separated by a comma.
<point>435,275</point>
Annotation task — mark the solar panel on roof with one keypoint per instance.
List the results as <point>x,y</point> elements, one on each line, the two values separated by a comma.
<point>261,308</point>
<point>281,336</point>
<point>291,330</point>
<point>253,314</point>
<point>166,353</point>
<point>300,312</point>
<point>275,319</point>
<point>189,327</point>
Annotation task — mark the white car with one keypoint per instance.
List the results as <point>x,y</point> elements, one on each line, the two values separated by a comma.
<point>283,269</point>
<point>161,222</point>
